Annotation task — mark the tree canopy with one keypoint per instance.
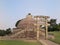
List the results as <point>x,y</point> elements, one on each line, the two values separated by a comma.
<point>5,32</point>
<point>53,25</point>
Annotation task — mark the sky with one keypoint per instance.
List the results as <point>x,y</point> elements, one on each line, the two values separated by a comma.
<point>13,10</point>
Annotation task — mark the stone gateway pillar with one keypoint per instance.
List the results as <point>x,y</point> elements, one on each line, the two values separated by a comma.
<point>46,29</point>
<point>37,27</point>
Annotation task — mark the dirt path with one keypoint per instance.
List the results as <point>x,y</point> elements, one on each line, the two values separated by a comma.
<point>47,42</point>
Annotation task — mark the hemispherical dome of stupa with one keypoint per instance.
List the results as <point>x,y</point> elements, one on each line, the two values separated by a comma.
<point>27,22</point>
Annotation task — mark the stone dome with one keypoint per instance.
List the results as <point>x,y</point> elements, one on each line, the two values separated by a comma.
<point>27,23</point>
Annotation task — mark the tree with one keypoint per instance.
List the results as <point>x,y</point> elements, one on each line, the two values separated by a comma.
<point>58,27</point>
<point>53,22</point>
<point>53,25</point>
<point>8,31</point>
<point>5,32</point>
<point>2,33</point>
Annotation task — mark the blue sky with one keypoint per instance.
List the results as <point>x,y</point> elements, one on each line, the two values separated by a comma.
<point>13,10</point>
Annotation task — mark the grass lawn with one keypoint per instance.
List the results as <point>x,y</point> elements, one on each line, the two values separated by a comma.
<point>57,37</point>
<point>17,42</point>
